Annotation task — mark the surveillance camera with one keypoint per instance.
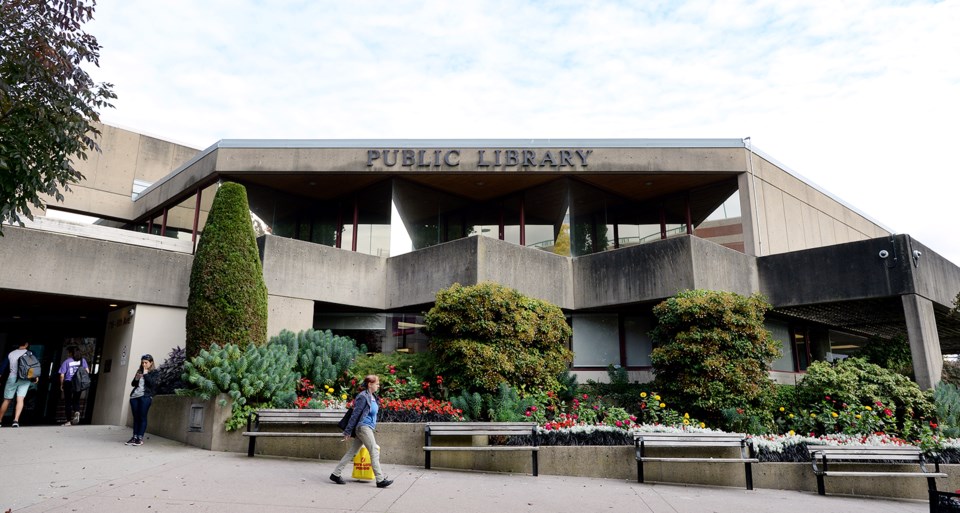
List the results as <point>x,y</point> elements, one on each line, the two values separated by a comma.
<point>884,253</point>
<point>916,253</point>
<point>131,311</point>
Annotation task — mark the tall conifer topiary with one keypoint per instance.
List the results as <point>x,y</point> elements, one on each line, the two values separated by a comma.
<point>228,298</point>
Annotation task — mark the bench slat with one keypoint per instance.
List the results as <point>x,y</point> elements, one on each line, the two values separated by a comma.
<point>483,448</point>
<point>878,474</point>
<point>279,433</point>
<point>716,460</point>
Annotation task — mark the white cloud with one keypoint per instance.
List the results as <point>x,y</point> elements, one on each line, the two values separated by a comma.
<point>862,97</point>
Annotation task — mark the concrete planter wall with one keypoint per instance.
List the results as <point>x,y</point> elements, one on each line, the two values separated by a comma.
<point>402,444</point>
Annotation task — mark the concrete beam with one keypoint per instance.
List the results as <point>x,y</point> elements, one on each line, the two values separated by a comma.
<point>924,341</point>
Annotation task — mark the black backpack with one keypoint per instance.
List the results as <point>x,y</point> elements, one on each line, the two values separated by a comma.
<point>28,366</point>
<point>81,380</point>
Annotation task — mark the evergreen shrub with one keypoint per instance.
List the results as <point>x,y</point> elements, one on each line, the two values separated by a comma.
<point>228,298</point>
<point>712,353</point>
<point>487,334</point>
<point>254,377</point>
<point>321,356</point>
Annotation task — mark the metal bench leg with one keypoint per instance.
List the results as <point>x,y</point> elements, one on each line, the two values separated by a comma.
<point>253,444</point>
<point>639,471</point>
<point>536,470</point>
<point>749,470</point>
<point>820,487</point>
<point>426,453</point>
<point>932,484</point>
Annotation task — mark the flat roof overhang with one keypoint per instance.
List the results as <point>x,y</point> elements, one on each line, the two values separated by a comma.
<point>635,169</point>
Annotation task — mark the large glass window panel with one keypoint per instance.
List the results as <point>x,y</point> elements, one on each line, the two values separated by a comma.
<point>636,336</point>
<point>546,217</point>
<point>588,220</point>
<point>367,329</point>
<point>430,217</point>
<point>781,334</point>
<point>596,340</point>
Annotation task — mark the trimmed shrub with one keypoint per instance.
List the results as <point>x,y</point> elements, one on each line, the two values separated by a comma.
<point>712,353</point>
<point>488,334</point>
<point>228,298</point>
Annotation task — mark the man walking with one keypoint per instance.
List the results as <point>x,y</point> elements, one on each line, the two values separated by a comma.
<point>15,386</point>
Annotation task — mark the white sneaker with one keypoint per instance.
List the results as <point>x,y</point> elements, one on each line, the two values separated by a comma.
<point>67,423</point>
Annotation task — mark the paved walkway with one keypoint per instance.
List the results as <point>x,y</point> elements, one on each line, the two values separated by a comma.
<point>87,468</point>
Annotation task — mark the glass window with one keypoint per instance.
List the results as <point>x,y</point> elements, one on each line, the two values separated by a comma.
<point>781,333</point>
<point>636,331</point>
<point>801,349</point>
<point>596,340</point>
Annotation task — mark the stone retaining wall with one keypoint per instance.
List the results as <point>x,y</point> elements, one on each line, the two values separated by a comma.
<point>402,444</point>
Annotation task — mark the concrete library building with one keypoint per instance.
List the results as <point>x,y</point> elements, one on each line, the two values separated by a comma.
<point>357,236</point>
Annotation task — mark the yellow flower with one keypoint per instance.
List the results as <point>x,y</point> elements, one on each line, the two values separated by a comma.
<point>686,415</point>
<point>834,414</point>
<point>781,408</point>
<point>790,416</point>
<point>791,433</point>
<point>685,422</point>
<point>663,405</point>
<point>813,415</point>
<point>868,408</point>
<point>857,416</point>
<point>656,397</point>
<point>703,425</point>
<point>344,397</point>
<point>643,394</point>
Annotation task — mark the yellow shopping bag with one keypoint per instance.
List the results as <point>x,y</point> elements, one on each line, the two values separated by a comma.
<point>361,465</point>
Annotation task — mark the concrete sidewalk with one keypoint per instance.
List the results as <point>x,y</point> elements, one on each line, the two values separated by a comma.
<point>87,468</point>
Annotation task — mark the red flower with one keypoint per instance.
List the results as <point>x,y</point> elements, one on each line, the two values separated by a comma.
<point>887,412</point>
<point>439,380</point>
<point>585,396</point>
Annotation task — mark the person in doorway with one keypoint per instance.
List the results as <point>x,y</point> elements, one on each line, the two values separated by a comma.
<point>141,397</point>
<point>360,431</point>
<point>71,397</point>
<point>16,387</point>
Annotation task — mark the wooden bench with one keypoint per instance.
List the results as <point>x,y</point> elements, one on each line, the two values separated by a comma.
<point>290,418</point>
<point>522,429</point>
<point>685,442</point>
<point>823,456</point>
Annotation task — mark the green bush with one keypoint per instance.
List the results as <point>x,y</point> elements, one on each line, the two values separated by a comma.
<point>253,377</point>
<point>712,353</point>
<point>402,375</point>
<point>488,334</point>
<point>321,356</point>
<point>946,398</point>
<point>893,354</point>
<point>471,404</point>
<point>857,384</point>
<point>951,372</point>
<point>228,298</point>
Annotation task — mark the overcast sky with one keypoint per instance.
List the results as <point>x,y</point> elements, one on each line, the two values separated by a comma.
<point>861,98</point>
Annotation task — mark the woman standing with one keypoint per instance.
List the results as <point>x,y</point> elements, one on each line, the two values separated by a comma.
<point>141,397</point>
<point>360,429</point>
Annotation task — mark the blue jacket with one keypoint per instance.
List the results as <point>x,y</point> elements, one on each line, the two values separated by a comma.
<point>361,406</point>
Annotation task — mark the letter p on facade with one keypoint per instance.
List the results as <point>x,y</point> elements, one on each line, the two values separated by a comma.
<point>371,156</point>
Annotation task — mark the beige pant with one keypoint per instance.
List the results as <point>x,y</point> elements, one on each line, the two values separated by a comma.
<point>364,438</point>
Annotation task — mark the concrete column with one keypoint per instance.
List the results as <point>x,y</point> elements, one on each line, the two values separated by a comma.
<point>924,340</point>
<point>748,215</point>
<point>288,313</point>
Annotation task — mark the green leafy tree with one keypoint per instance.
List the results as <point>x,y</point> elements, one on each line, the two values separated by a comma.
<point>712,353</point>
<point>487,334</point>
<point>48,103</point>
<point>228,298</point>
